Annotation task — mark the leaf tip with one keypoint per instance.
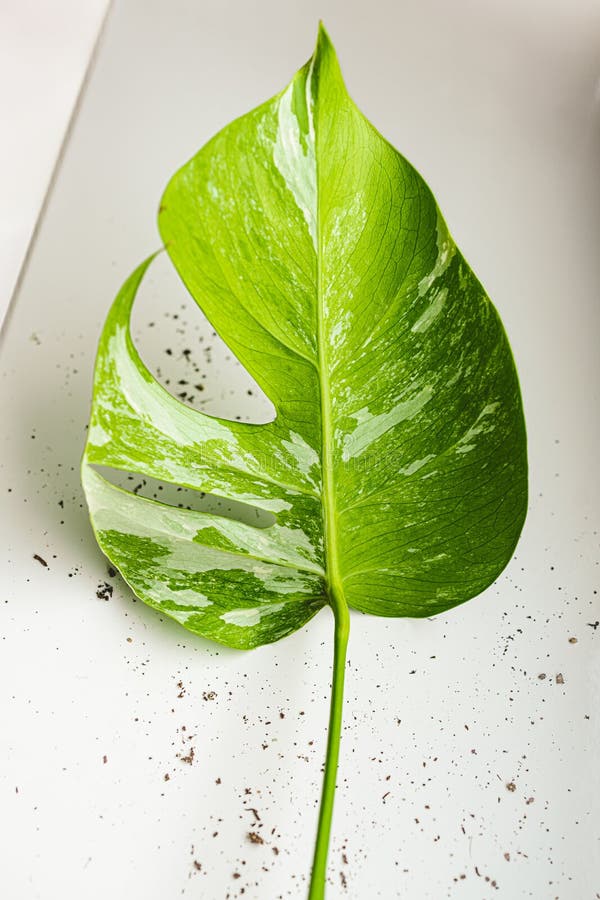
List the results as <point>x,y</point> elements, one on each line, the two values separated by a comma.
<point>324,44</point>
<point>325,66</point>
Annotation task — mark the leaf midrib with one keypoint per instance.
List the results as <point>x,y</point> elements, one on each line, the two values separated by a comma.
<point>333,580</point>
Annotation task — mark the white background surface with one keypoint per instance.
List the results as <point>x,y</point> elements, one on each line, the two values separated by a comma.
<point>496,104</point>
<point>44,51</point>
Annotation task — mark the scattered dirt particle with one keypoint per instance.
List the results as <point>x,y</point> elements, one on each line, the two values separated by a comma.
<point>560,679</point>
<point>189,759</point>
<point>209,695</point>
<point>197,866</point>
<point>166,776</point>
<point>104,591</point>
<point>572,640</point>
<point>41,560</point>
<point>511,786</point>
<point>541,676</point>
<point>507,857</point>
<point>105,759</point>
<point>255,838</point>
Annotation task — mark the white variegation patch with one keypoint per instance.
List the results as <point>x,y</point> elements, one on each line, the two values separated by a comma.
<point>446,250</point>
<point>270,504</point>
<point>482,425</point>
<point>280,580</point>
<point>341,327</point>
<point>306,457</point>
<point>184,597</point>
<point>244,618</point>
<point>432,312</point>
<point>371,427</point>
<point>416,465</point>
<point>294,157</point>
<point>97,435</point>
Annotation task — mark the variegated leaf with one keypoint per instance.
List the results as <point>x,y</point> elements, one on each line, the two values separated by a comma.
<point>395,467</point>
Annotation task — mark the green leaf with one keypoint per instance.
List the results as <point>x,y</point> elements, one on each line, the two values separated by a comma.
<point>395,467</point>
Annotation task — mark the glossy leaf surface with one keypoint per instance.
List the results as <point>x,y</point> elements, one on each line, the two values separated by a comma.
<point>395,466</point>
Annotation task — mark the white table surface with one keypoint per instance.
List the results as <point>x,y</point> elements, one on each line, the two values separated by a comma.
<point>497,104</point>
<point>45,48</point>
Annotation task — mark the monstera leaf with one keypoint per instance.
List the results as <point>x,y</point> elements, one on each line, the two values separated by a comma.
<point>395,466</point>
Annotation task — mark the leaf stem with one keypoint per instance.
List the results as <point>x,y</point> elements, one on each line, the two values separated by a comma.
<point>319,869</point>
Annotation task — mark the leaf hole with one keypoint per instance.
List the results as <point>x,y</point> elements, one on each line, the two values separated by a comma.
<point>186,498</point>
<point>186,356</point>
